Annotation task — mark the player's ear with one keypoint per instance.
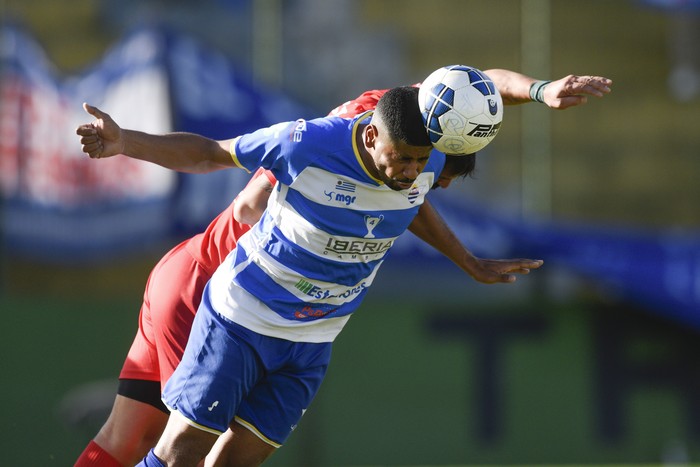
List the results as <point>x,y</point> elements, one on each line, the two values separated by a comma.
<point>370,135</point>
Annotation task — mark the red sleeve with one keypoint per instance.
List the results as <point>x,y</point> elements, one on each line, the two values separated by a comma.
<point>362,103</point>
<point>270,176</point>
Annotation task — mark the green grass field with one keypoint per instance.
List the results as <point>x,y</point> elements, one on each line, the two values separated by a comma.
<point>411,400</point>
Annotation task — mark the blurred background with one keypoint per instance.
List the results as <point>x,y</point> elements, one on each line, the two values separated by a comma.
<point>590,360</point>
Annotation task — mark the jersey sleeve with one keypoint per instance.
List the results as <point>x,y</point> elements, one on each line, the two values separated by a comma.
<point>267,147</point>
<point>362,103</point>
<point>284,149</point>
<point>270,177</point>
<point>263,172</point>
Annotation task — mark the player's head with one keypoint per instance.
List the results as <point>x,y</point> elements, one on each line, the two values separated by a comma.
<point>396,139</point>
<point>455,166</point>
<point>398,109</point>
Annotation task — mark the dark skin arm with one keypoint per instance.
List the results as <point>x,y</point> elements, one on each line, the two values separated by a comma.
<point>193,153</point>
<point>432,229</point>
<point>427,225</point>
<point>184,152</point>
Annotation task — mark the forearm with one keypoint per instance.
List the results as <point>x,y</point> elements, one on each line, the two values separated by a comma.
<point>184,152</point>
<point>514,87</point>
<point>252,201</point>
<point>430,227</point>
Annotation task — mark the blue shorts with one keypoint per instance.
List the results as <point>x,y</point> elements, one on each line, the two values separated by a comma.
<point>229,372</point>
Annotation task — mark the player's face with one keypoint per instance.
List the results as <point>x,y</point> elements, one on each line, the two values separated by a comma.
<point>397,164</point>
<point>444,180</point>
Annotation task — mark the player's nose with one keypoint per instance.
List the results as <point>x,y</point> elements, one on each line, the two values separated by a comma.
<point>412,171</point>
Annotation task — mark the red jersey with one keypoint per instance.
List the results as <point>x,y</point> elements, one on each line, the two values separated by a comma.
<point>210,247</point>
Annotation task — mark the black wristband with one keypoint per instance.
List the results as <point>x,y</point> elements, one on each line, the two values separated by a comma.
<point>537,91</point>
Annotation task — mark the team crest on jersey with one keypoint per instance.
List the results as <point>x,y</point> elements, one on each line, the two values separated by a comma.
<point>417,190</point>
<point>413,194</point>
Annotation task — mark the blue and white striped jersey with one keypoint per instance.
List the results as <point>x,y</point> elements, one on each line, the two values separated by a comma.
<point>307,265</point>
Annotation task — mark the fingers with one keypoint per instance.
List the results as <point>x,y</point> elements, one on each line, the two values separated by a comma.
<point>505,270</point>
<point>591,85</point>
<point>93,134</point>
<point>92,110</point>
<point>90,140</point>
<point>86,130</point>
<point>521,267</point>
<point>508,278</point>
<point>571,101</point>
<point>573,90</point>
<point>515,265</point>
<point>92,147</point>
<point>601,85</point>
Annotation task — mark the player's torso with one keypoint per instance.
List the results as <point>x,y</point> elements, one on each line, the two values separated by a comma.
<point>327,228</point>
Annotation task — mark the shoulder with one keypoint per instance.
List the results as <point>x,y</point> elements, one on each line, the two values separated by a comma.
<point>322,132</point>
<point>436,162</point>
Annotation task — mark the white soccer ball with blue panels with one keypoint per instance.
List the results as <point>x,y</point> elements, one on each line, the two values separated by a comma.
<point>462,109</point>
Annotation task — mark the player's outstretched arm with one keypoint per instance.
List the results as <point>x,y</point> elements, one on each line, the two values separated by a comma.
<point>429,226</point>
<point>184,152</point>
<point>561,94</point>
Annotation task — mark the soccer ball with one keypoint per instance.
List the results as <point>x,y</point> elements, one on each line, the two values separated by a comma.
<point>462,109</point>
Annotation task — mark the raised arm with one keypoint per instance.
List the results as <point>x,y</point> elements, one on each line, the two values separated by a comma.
<point>429,226</point>
<point>561,94</point>
<point>184,152</point>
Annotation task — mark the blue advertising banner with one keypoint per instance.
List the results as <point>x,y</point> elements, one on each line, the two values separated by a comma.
<point>213,97</point>
<point>61,207</point>
<point>58,205</point>
<point>658,270</point>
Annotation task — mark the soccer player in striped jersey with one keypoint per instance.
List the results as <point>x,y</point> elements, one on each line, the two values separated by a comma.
<point>135,421</point>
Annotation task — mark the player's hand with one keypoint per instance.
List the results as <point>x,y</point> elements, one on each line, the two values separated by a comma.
<point>102,137</point>
<point>574,90</point>
<point>494,271</point>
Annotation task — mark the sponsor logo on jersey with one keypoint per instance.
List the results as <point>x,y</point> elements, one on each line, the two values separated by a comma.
<point>298,130</point>
<point>320,293</point>
<point>343,198</point>
<point>309,312</point>
<point>356,248</point>
<point>340,197</point>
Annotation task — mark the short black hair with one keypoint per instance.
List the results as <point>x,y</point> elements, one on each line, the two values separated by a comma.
<point>398,109</point>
